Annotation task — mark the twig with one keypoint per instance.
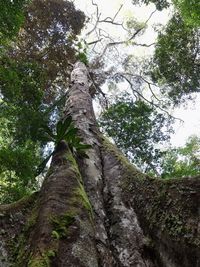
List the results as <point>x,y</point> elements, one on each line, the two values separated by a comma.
<point>148,101</point>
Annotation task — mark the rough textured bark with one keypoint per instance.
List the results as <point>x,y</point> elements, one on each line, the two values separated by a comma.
<point>101,211</point>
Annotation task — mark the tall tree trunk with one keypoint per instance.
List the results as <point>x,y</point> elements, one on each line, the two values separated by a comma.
<point>101,211</point>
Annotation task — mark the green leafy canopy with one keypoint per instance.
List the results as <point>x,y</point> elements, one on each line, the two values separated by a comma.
<point>137,129</point>
<point>30,70</point>
<point>182,161</point>
<point>176,61</point>
<point>189,10</point>
<point>11,18</point>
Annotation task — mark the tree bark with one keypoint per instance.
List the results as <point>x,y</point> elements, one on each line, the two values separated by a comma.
<point>101,211</point>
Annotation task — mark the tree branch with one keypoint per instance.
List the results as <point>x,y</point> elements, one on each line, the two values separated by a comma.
<point>146,100</point>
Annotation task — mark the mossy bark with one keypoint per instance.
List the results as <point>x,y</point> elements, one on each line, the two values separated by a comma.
<point>168,211</point>
<point>101,211</point>
<point>60,224</point>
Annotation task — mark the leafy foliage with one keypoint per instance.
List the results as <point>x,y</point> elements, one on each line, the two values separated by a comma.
<point>83,57</point>
<point>21,82</point>
<point>189,10</point>
<point>11,18</point>
<point>82,52</point>
<point>34,66</point>
<point>21,94</point>
<point>21,87</point>
<point>65,131</point>
<point>160,4</point>
<point>28,127</point>
<point>17,171</point>
<point>176,60</point>
<point>48,41</point>
<point>182,161</point>
<point>18,161</point>
<point>137,129</point>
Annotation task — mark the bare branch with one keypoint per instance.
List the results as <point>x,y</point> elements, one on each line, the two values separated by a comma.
<point>145,45</point>
<point>111,20</point>
<point>145,80</point>
<point>118,12</point>
<point>146,100</point>
<point>140,29</point>
<point>106,20</point>
<point>98,15</point>
<point>94,42</point>
<point>136,75</point>
<point>130,39</point>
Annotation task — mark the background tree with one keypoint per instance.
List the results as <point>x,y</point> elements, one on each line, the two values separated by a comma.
<point>48,41</point>
<point>29,109</point>
<point>11,18</point>
<point>189,11</point>
<point>138,130</point>
<point>176,60</point>
<point>21,116</point>
<point>160,4</point>
<point>182,161</point>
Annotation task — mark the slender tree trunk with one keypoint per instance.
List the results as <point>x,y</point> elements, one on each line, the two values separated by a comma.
<point>101,211</point>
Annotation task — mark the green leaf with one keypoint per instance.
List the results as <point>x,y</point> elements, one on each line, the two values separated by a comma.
<point>67,122</point>
<point>55,235</point>
<point>43,165</point>
<point>82,154</point>
<point>62,127</point>
<point>83,147</point>
<point>70,135</point>
<point>77,140</point>
<point>49,132</point>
